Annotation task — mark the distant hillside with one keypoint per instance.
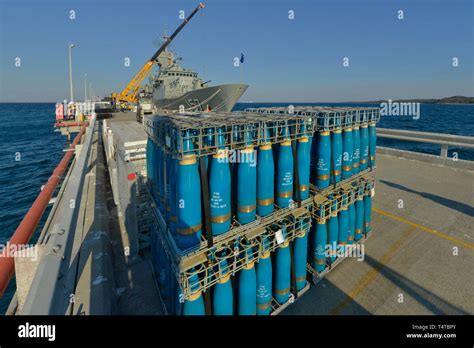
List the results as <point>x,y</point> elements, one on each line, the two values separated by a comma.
<point>458,99</point>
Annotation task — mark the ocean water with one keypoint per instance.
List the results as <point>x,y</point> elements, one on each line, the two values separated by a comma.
<point>30,150</point>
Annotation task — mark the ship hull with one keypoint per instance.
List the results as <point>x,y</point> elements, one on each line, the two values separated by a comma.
<point>217,98</point>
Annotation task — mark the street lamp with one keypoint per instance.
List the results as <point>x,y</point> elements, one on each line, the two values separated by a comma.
<point>70,71</point>
<point>85,87</point>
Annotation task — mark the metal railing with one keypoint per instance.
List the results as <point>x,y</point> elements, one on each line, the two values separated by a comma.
<point>42,290</point>
<point>445,140</point>
<point>30,221</point>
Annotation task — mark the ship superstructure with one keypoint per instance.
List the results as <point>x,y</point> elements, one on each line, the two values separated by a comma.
<point>175,88</point>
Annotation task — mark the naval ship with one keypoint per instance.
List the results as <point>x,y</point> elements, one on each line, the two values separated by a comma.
<point>175,87</point>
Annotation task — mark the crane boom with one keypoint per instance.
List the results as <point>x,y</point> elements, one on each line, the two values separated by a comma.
<point>129,93</point>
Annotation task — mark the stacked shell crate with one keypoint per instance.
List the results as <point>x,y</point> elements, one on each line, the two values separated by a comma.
<point>235,197</point>
<point>342,183</point>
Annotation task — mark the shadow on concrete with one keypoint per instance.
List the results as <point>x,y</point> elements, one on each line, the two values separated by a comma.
<point>432,302</point>
<point>135,276</point>
<point>461,207</point>
<point>323,298</point>
<point>135,287</point>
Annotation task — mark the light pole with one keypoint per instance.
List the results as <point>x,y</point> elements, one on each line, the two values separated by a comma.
<point>85,87</point>
<point>90,90</point>
<point>70,71</point>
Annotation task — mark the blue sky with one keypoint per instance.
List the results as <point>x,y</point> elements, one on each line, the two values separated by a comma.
<point>297,60</point>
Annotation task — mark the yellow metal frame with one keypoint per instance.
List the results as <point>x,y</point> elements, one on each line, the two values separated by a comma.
<point>129,93</point>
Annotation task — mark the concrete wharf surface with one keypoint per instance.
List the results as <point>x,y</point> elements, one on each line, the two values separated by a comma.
<point>136,288</point>
<point>419,258</point>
